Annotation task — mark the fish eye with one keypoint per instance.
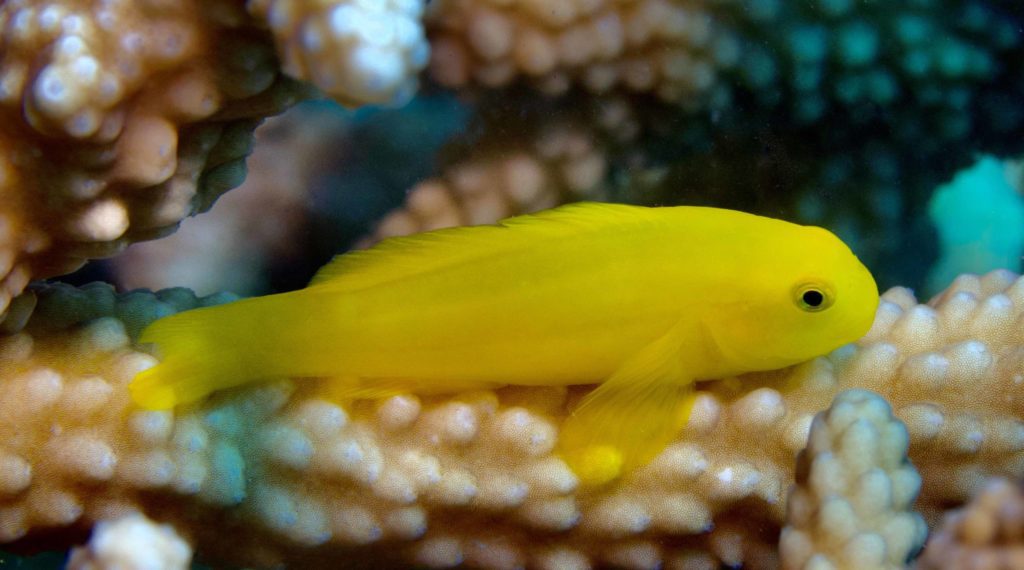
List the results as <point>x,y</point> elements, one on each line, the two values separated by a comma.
<point>813,297</point>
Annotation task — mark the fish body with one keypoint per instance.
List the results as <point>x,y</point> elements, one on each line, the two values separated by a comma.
<point>644,301</point>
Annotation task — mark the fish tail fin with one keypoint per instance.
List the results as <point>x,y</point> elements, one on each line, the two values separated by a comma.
<point>197,357</point>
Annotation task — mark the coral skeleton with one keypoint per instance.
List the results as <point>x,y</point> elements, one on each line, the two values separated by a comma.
<point>851,505</point>
<point>471,478</point>
<point>356,51</point>
<point>132,543</point>
<point>986,534</point>
<point>118,119</point>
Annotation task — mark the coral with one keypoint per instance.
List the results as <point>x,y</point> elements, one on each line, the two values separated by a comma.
<point>132,543</point>
<point>850,507</point>
<point>733,102</point>
<point>830,56</point>
<point>843,114</point>
<point>984,535</point>
<point>563,161</point>
<point>120,119</point>
<point>980,220</point>
<point>356,51</point>
<point>808,58</point>
<point>224,250</point>
<point>676,50</point>
<point>517,165</point>
<point>471,477</point>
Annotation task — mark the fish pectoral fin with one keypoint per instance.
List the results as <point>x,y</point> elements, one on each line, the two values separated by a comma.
<point>634,414</point>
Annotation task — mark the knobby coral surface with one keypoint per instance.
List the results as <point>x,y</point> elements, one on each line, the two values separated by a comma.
<point>132,543</point>
<point>808,58</point>
<point>510,173</point>
<point>357,51</point>
<point>851,506</point>
<point>471,478</point>
<point>675,49</point>
<point>986,534</point>
<point>118,120</point>
<point>840,113</point>
<point>223,250</point>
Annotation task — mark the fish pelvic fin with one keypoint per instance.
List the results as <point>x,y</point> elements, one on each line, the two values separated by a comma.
<point>631,417</point>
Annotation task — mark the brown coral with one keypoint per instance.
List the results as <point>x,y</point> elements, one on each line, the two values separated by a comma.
<point>506,175</point>
<point>118,121</point>
<point>471,478</point>
<point>987,534</point>
<point>563,166</point>
<point>673,49</point>
<point>358,52</point>
<point>851,506</point>
<point>223,250</point>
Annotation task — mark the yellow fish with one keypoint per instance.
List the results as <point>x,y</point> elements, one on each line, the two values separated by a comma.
<point>644,301</point>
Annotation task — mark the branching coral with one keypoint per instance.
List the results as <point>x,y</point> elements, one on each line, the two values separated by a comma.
<point>224,250</point>
<point>517,172</point>
<point>471,478</point>
<point>822,55</point>
<point>851,505</point>
<point>357,51</point>
<point>132,543</point>
<point>984,535</point>
<point>119,119</point>
<point>102,145</point>
<point>872,105</point>
<point>516,160</point>
<point>675,49</point>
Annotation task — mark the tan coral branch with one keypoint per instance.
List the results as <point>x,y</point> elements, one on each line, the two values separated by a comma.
<point>118,120</point>
<point>471,478</point>
<point>986,534</point>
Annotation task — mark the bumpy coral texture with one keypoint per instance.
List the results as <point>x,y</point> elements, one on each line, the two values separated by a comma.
<point>821,54</point>
<point>119,119</point>
<point>851,507</point>
<point>471,477</point>
<point>223,250</point>
<point>132,542</point>
<point>987,534</point>
<point>538,159</point>
<point>565,161</point>
<point>675,49</point>
<point>839,113</point>
<point>357,51</point>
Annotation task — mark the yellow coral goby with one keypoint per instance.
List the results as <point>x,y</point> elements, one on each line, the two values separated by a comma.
<point>642,300</point>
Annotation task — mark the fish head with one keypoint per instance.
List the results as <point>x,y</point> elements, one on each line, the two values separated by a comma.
<point>807,295</point>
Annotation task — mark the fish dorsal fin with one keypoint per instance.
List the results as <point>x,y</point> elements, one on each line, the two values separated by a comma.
<point>399,257</point>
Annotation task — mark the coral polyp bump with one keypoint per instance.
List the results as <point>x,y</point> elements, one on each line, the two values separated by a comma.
<point>119,119</point>
<point>474,477</point>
